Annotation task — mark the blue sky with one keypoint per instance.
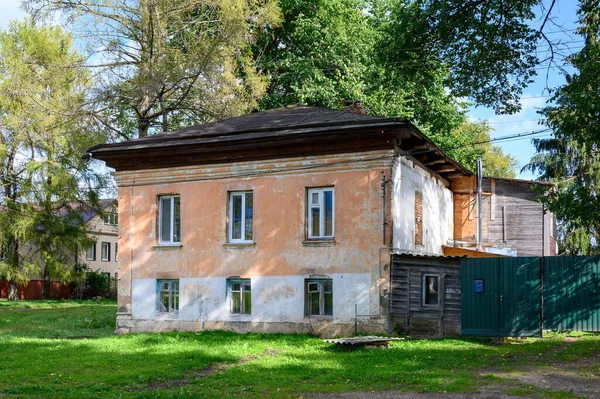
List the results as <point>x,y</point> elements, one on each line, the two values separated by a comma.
<point>534,98</point>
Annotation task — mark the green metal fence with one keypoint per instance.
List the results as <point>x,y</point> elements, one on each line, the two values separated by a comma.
<point>518,297</point>
<point>571,293</point>
<point>501,297</point>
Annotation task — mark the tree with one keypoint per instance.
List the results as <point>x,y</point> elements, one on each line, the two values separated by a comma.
<point>571,158</point>
<point>472,139</point>
<point>42,136</point>
<point>166,64</point>
<point>392,56</point>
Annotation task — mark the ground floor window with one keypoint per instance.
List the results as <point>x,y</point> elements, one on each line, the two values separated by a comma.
<point>168,296</point>
<point>240,296</point>
<point>319,297</point>
<point>431,290</point>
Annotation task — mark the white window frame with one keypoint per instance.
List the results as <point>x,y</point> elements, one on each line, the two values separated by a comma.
<point>321,206</point>
<point>171,291</point>
<point>102,246</point>
<point>172,221</point>
<point>116,251</point>
<point>233,194</point>
<point>321,291</point>
<point>243,305</point>
<point>93,248</point>
<point>424,290</point>
<point>111,218</point>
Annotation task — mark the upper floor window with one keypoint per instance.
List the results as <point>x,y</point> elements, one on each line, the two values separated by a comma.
<point>320,213</point>
<point>111,218</point>
<point>90,253</point>
<point>169,220</point>
<point>116,251</point>
<point>240,216</point>
<point>105,252</point>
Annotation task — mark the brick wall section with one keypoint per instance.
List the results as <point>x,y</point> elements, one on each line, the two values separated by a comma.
<point>418,218</point>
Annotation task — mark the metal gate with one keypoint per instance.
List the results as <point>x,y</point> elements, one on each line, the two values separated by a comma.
<point>501,297</point>
<point>572,293</point>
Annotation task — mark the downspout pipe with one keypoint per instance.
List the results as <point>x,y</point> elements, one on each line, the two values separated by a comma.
<point>479,204</point>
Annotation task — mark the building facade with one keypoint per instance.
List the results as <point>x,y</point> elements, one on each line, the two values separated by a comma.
<point>279,221</point>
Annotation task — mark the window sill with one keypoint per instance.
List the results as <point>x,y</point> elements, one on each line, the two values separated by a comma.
<point>167,316</point>
<point>318,243</point>
<point>239,245</point>
<point>166,247</point>
<point>319,318</point>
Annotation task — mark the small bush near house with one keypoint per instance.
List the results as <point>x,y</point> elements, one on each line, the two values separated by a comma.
<point>66,349</point>
<point>96,284</point>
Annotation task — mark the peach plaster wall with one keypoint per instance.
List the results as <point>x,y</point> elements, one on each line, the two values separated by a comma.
<point>279,203</point>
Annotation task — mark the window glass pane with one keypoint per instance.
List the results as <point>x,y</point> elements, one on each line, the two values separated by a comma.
<point>165,219</point>
<point>235,302</point>
<point>328,307</point>
<point>176,221</point>
<point>236,212</point>
<point>313,287</point>
<point>431,290</point>
<point>235,287</point>
<point>248,218</point>
<point>91,252</point>
<point>175,301</point>
<point>327,286</point>
<point>313,304</point>
<point>314,198</point>
<point>246,287</point>
<point>247,300</point>
<point>328,213</point>
<point>314,228</point>
<point>163,305</point>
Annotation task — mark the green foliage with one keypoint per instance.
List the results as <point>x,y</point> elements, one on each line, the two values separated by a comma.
<point>570,158</point>
<point>169,63</point>
<point>328,51</point>
<point>42,136</point>
<point>400,59</point>
<point>82,359</point>
<point>472,139</point>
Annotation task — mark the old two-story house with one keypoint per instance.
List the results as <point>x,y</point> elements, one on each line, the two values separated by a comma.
<point>278,221</point>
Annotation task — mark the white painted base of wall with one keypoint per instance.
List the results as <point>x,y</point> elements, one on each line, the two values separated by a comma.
<point>274,299</point>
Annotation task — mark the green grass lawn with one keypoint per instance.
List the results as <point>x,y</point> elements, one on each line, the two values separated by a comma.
<point>67,349</point>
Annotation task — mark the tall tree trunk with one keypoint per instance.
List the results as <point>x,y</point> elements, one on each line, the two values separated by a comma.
<point>46,294</point>
<point>143,127</point>
<point>13,290</point>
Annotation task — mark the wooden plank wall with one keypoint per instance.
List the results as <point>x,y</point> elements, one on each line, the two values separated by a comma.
<point>406,310</point>
<point>520,226</point>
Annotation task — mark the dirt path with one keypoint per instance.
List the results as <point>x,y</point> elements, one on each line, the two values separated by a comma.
<point>577,379</point>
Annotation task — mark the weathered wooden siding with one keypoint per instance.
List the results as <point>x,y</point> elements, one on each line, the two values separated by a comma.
<point>511,217</point>
<point>517,222</point>
<point>406,309</point>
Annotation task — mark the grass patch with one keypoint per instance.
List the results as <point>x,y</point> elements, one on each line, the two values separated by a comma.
<point>67,349</point>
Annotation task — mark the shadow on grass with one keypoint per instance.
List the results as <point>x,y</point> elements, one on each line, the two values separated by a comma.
<point>221,364</point>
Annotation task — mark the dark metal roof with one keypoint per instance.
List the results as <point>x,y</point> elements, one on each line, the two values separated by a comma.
<point>277,133</point>
<point>522,181</point>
